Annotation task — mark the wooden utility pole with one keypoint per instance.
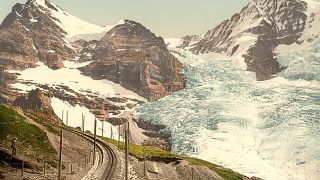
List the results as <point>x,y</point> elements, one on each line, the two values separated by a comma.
<point>62,115</point>
<point>144,166</point>
<point>60,156</point>
<point>44,168</point>
<point>192,173</point>
<point>111,132</point>
<point>129,135</point>
<point>22,168</point>
<point>94,144</point>
<point>85,160</point>
<point>119,138</point>
<point>67,118</point>
<point>126,154</point>
<point>102,128</point>
<point>144,160</point>
<point>83,121</point>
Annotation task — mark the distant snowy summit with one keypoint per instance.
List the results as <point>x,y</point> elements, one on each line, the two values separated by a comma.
<point>126,53</point>
<point>251,37</point>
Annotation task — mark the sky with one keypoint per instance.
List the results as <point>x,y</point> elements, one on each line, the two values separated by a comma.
<point>167,18</point>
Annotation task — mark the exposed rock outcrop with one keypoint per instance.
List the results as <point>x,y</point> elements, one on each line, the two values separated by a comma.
<point>35,100</point>
<point>131,55</point>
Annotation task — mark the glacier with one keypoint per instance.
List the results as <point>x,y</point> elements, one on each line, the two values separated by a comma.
<point>268,129</point>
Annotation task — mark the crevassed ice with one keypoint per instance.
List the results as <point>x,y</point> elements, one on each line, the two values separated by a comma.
<point>267,129</point>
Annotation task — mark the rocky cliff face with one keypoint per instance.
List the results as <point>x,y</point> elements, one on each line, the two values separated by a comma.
<point>35,100</point>
<point>254,33</point>
<point>131,55</point>
<point>29,34</point>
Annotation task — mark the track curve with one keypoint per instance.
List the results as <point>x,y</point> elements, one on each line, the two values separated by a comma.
<point>104,168</point>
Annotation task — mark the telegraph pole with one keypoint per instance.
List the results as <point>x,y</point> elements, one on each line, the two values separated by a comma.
<point>82,123</point>
<point>111,132</point>
<point>119,138</point>
<point>126,154</point>
<point>102,128</point>
<point>129,134</point>
<point>60,155</point>
<point>144,166</point>
<point>192,173</point>
<point>94,144</point>
<point>62,115</point>
<point>22,168</point>
<point>67,118</point>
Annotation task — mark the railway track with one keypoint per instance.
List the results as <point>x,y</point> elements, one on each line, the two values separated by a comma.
<point>104,168</point>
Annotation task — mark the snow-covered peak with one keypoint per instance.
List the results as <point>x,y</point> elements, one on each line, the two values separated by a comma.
<point>74,27</point>
<point>127,21</point>
<point>122,21</point>
<point>39,2</point>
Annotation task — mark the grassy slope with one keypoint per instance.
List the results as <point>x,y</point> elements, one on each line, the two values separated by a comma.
<point>143,151</point>
<point>42,119</point>
<point>31,140</point>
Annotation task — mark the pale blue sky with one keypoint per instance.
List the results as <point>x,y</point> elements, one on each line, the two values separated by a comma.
<point>167,18</point>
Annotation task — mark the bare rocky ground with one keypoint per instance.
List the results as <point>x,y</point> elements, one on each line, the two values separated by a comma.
<point>152,170</point>
<point>173,171</point>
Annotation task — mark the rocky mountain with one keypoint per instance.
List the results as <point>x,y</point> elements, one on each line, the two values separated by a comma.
<point>252,35</point>
<point>41,31</point>
<point>128,53</point>
<point>29,34</point>
<point>134,57</point>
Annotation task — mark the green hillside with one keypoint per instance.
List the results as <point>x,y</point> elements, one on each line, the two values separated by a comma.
<point>32,142</point>
<point>148,151</point>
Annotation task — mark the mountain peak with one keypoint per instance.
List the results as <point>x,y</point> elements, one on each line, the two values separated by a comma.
<point>129,24</point>
<point>74,27</point>
<point>42,3</point>
<point>133,56</point>
<point>129,28</point>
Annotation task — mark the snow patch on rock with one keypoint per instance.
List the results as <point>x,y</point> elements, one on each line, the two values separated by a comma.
<point>75,118</point>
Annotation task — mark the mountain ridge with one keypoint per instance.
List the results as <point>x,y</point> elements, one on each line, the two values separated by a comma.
<point>251,36</point>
